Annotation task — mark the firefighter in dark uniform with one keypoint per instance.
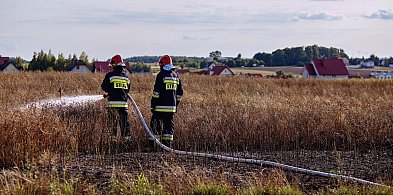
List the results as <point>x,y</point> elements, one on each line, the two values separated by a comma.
<point>166,97</point>
<point>116,84</point>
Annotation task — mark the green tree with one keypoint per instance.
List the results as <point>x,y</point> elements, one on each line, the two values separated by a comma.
<point>140,67</point>
<point>42,61</point>
<point>230,63</point>
<point>374,58</point>
<point>203,64</point>
<point>389,61</point>
<point>84,58</point>
<point>72,57</point>
<point>50,60</point>
<point>215,54</point>
<point>61,62</point>
<point>324,52</point>
<point>33,62</point>
<point>309,52</point>
<point>252,62</point>
<point>265,57</point>
<point>355,61</point>
<point>19,61</point>
<point>278,58</point>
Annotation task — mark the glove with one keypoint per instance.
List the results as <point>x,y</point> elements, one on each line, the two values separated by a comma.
<point>105,95</point>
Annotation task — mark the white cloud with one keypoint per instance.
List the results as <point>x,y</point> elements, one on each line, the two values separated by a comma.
<point>316,16</point>
<point>381,14</point>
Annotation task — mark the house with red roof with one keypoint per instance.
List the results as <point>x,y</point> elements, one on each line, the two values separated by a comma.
<point>7,66</point>
<point>101,67</point>
<point>326,68</point>
<point>105,67</point>
<point>220,70</point>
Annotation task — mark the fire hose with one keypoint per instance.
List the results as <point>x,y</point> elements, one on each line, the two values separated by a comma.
<point>250,161</point>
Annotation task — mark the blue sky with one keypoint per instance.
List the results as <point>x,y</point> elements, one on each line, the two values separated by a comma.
<point>193,28</point>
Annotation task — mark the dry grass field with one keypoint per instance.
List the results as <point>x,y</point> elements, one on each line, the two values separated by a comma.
<point>335,120</point>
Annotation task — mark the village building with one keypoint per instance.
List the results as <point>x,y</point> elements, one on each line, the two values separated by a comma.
<point>103,67</point>
<point>78,66</point>
<point>367,64</point>
<point>219,70</point>
<point>326,68</point>
<point>7,66</point>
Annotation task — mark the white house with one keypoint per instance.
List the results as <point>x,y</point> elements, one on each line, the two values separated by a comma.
<point>9,67</point>
<point>220,70</point>
<point>367,64</point>
<point>78,66</point>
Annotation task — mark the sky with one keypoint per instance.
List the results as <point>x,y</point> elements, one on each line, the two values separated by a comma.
<point>102,28</point>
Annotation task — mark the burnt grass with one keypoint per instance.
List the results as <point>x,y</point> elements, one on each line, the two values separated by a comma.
<point>160,167</point>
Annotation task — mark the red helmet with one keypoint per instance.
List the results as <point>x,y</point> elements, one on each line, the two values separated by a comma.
<point>117,61</point>
<point>165,60</point>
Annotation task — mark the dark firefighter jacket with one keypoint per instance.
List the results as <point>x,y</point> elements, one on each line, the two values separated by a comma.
<point>167,92</point>
<point>117,85</point>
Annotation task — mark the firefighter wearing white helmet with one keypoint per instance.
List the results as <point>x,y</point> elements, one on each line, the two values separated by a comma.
<point>116,85</point>
<point>166,97</point>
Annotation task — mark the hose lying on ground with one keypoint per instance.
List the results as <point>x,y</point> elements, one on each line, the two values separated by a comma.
<point>251,161</point>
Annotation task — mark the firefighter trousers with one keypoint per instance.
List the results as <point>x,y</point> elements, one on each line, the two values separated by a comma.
<point>119,116</point>
<point>162,126</point>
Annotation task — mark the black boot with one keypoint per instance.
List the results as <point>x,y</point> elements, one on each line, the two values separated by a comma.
<point>152,146</point>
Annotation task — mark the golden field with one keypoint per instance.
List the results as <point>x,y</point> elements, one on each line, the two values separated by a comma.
<point>217,114</point>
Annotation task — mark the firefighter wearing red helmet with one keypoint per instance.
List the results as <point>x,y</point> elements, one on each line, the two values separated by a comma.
<point>166,97</point>
<point>116,85</point>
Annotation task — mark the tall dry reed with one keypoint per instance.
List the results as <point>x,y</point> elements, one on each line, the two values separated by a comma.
<point>216,114</point>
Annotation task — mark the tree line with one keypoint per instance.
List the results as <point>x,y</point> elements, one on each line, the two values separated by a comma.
<point>294,56</point>
<point>373,58</point>
<point>43,61</point>
<point>297,56</point>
